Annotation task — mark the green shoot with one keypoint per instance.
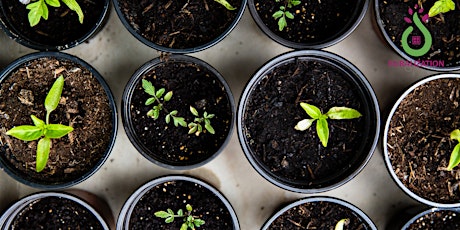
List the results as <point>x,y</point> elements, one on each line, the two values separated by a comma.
<point>196,127</point>
<point>454,160</point>
<point>342,223</point>
<point>225,4</point>
<point>283,13</point>
<point>322,129</point>
<point>43,129</point>
<point>190,221</point>
<point>39,9</point>
<point>441,6</point>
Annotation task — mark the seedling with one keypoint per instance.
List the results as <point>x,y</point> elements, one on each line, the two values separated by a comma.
<point>322,129</point>
<point>283,13</point>
<point>225,4</point>
<point>454,160</point>
<point>196,127</point>
<point>190,221</point>
<point>342,223</point>
<point>41,130</point>
<point>441,6</point>
<point>39,9</point>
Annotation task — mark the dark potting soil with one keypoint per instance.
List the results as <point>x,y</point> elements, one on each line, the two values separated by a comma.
<point>443,219</point>
<point>62,26</point>
<point>192,85</point>
<point>446,35</point>
<point>84,106</point>
<point>273,110</point>
<point>55,213</point>
<point>419,143</point>
<point>179,24</point>
<point>176,195</point>
<point>314,21</point>
<point>319,215</point>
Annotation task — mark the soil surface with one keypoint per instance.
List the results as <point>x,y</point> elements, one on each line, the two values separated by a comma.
<point>314,21</point>
<point>84,106</point>
<point>273,110</point>
<point>176,195</point>
<point>444,219</point>
<point>179,24</point>
<point>419,143</point>
<point>62,26</point>
<point>319,215</point>
<point>192,85</point>
<point>55,213</point>
<point>445,34</point>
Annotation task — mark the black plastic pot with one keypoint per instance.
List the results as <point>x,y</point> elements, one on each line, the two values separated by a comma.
<point>23,177</point>
<point>127,210</point>
<point>413,218</point>
<point>367,143</point>
<point>75,198</point>
<point>320,203</point>
<point>385,142</point>
<point>336,37</point>
<point>158,156</point>
<point>10,25</point>
<point>134,31</point>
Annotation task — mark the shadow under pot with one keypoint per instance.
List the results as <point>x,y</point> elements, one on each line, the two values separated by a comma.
<point>319,213</point>
<point>190,199</point>
<point>179,26</point>
<point>417,141</point>
<point>58,120</point>
<point>421,38</point>
<point>302,24</point>
<point>178,112</point>
<point>58,210</point>
<point>63,28</point>
<point>294,122</point>
<point>428,218</point>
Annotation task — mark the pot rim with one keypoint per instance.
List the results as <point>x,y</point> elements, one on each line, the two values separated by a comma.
<point>426,211</point>
<point>114,115</point>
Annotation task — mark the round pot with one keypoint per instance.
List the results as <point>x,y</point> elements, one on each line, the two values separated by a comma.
<point>87,104</point>
<point>311,212</point>
<point>269,111</point>
<point>170,36</point>
<point>76,208</point>
<point>422,141</point>
<point>314,38</point>
<point>175,192</point>
<point>193,83</point>
<point>426,46</point>
<point>426,218</point>
<point>56,33</point>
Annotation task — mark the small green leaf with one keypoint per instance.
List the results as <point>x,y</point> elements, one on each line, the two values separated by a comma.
<point>295,2</point>
<point>168,118</point>
<point>148,87</point>
<point>38,122</point>
<point>338,113</point>
<point>168,96</point>
<point>43,151</point>
<point>169,219</point>
<point>289,15</point>
<point>194,111</point>
<point>225,4</point>
<point>188,207</point>
<point>57,130</point>
<point>455,135</point>
<point>170,211</point>
<point>180,212</point>
<point>323,131</point>
<point>198,222</point>
<point>341,224</point>
<point>156,114</point>
<point>312,111</point>
<point>441,6</point>
<point>209,128</point>
<point>53,3</point>
<point>278,14</point>
<point>73,5</point>
<point>454,158</point>
<point>54,95</point>
<point>160,92</point>
<point>184,226</point>
<point>26,132</point>
<point>209,116</point>
<point>173,113</point>
<point>282,23</point>
<point>304,124</point>
<point>150,101</point>
<point>179,121</point>
<point>193,129</point>
<point>150,113</point>
<point>161,214</point>
<point>37,10</point>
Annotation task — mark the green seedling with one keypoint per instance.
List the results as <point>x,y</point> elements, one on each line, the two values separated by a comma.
<point>225,4</point>
<point>322,129</point>
<point>454,160</point>
<point>196,127</point>
<point>284,13</point>
<point>190,221</point>
<point>38,9</point>
<point>441,6</point>
<point>43,130</point>
<point>342,223</point>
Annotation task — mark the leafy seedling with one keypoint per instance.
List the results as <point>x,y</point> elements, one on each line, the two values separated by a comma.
<point>454,160</point>
<point>196,127</point>
<point>190,221</point>
<point>441,6</point>
<point>38,9</point>
<point>225,4</point>
<point>322,129</point>
<point>283,13</point>
<point>342,223</point>
<point>43,130</point>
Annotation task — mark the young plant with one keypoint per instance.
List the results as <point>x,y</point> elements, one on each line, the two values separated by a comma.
<point>190,221</point>
<point>342,223</point>
<point>441,6</point>
<point>454,160</point>
<point>283,13</point>
<point>157,99</point>
<point>225,4</point>
<point>196,127</point>
<point>322,129</point>
<point>39,9</point>
<point>43,130</point>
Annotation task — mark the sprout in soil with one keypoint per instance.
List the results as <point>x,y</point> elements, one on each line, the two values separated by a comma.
<point>322,129</point>
<point>41,130</point>
<point>196,127</point>
<point>283,13</point>
<point>225,4</point>
<point>190,221</point>
<point>441,6</point>
<point>455,155</point>
<point>342,223</point>
<point>39,9</point>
